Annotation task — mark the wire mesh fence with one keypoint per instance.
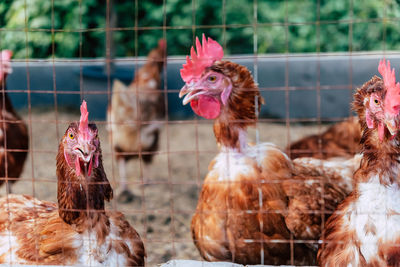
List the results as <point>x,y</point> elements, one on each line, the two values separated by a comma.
<point>304,74</point>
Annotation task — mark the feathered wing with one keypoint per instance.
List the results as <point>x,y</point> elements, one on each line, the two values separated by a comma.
<point>209,222</point>
<point>340,247</point>
<point>229,215</point>
<point>243,220</point>
<point>340,140</point>
<point>129,242</point>
<point>32,232</point>
<point>267,201</point>
<point>315,191</point>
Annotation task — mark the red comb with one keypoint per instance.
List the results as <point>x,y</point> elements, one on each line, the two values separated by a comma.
<point>6,55</point>
<point>162,43</point>
<point>392,99</point>
<point>207,54</point>
<point>83,122</point>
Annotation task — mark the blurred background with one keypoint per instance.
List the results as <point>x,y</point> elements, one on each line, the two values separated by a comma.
<point>301,47</point>
<point>306,55</point>
<point>70,29</point>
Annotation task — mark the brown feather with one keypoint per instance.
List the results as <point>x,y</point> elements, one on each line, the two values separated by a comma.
<point>341,244</point>
<point>254,215</point>
<point>45,234</point>
<point>235,220</point>
<point>14,141</point>
<point>240,111</point>
<point>135,108</point>
<point>336,249</point>
<point>339,140</point>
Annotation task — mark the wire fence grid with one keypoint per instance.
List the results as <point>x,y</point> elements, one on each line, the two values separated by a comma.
<point>167,190</point>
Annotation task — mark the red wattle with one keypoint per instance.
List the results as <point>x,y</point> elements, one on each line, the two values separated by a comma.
<point>77,166</point>
<point>206,106</point>
<point>67,159</point>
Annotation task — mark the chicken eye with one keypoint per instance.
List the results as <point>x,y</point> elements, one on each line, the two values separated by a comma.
<point>71,136</point>
<point>376,101</point>
<point>212,78</point>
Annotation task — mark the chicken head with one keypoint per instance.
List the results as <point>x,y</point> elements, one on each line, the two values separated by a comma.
<point>81,145</point>
<point>206,89</point>
<point>5,65</point>
<point>378,102</point>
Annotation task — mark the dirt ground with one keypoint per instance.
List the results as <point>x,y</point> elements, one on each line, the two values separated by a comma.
<point>167,194</point>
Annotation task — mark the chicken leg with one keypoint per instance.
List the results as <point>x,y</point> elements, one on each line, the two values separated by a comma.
<point>125,195</point>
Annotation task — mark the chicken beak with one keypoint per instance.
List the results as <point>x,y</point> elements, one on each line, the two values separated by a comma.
<point>84,151</point>
<point>191,92</point>
<point>185,89</point>
<point>391,124</point>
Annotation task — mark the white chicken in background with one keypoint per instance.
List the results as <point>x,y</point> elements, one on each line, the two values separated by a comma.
<point>134,117</point>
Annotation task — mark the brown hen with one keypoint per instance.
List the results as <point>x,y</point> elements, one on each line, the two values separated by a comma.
<point>135,114</point>
<point>78,231</point>
<point>256,206</point>
<point>339,140</point>
<point>14,139</point>
<point>365,229</point>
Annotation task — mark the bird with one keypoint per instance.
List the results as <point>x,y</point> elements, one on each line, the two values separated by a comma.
<point>14,138</point>
<point>77,231</point>
<point>256,205</point>
<point>339,140</point>
<point>365,229</point>
<point>134,117</point>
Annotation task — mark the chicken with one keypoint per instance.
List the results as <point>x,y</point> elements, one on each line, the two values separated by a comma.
<point>14,139</point>
<point>256,205</point>
<point>135,114</point>
<point>340,140</point>
<point>79,231</point>
<point>365,229</point>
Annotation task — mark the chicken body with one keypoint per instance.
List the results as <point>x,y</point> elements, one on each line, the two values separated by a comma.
<point>256,206</point>
<point>32,232</point>
<point>339,140</point>
<point>365,229</point>
<point>135,113</point>
<point>78,231</point>
<point>254,203</point>
<point>14,139</point>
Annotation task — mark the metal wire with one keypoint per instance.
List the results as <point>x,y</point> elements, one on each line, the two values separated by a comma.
<point>148,211</point>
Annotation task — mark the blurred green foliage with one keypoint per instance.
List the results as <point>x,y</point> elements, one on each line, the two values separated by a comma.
<point>70,28</point>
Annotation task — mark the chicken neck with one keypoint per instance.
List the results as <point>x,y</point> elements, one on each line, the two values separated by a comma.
<point>229,135</point>
<point>241,111</point>
<point>80,197</point>
<point>380,159</point>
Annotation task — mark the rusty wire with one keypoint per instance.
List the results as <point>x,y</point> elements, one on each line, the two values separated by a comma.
<point>198,169</point>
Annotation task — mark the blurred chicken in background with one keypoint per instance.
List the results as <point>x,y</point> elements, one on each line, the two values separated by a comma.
<point>134,116</point>
<point>14,138</point>
<point>339,140</point>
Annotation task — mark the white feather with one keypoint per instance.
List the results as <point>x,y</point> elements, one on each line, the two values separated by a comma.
<point>378,206</point>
